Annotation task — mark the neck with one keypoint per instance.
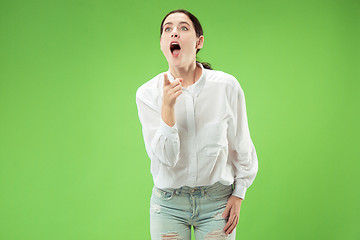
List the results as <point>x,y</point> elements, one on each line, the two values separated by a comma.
<point>189,73</point>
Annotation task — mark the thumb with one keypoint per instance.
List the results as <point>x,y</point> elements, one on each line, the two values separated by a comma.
<point>166,79</point>
<point>226,211</point>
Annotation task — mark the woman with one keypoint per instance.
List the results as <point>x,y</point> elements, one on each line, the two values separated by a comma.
<point>196,134</point>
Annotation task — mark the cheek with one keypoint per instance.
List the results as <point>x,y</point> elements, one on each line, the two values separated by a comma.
<point>191,44</point>
<point>162,47</point>
<point>190,47</point>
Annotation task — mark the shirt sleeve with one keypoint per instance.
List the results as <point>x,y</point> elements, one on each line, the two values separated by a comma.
<point>242,150</point>
<point>161,141</point>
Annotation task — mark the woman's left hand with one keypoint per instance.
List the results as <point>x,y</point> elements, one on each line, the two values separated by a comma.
<point>232,213</point>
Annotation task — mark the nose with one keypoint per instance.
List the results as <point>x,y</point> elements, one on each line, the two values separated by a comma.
<point>175,33</point>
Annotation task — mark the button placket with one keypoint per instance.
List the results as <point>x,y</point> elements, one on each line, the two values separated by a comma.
<point>191,134</point>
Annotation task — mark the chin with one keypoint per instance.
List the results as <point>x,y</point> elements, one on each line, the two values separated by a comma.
<point>175,62</point>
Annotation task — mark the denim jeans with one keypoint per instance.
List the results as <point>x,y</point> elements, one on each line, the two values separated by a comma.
<point>174,211</point>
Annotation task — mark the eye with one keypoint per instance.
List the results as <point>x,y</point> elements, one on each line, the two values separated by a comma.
<point>184,28</point>
<point>167,29</point>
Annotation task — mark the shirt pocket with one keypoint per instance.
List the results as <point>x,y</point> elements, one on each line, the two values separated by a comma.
<point>216,138</point>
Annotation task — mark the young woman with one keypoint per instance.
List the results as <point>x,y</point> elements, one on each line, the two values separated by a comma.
<point>196,134</point>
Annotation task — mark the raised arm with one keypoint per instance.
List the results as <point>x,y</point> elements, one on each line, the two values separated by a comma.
<point>159,128</point>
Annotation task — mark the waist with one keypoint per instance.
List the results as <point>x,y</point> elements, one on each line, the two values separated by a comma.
<point>199,190</point>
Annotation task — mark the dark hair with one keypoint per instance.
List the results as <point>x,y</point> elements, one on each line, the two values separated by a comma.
<point>198,29</point>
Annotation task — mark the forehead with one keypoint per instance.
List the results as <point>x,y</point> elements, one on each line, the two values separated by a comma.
<point>176,18</point>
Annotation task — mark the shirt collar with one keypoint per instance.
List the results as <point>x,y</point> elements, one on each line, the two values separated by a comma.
<point>197,86</point>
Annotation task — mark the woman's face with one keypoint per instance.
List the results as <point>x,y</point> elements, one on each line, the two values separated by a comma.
<point>178,41</point>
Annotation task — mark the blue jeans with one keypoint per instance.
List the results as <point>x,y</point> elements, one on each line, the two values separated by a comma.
<point>174,211</point>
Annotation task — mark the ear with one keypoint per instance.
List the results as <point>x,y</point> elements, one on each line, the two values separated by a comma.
<point>200,42</point>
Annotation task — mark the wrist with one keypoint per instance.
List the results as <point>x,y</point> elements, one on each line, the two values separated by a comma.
<point>167,107</point>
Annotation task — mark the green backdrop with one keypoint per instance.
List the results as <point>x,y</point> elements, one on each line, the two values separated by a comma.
<point>72,158</point>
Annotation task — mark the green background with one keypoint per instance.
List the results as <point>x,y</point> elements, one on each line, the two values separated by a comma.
<point>72,158</point>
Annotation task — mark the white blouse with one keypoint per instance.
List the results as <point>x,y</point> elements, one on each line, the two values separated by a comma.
<point>210,140</point>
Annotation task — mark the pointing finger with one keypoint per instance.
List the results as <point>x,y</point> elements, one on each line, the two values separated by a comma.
<point>166,80</point>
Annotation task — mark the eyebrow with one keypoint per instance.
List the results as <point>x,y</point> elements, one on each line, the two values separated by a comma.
<point>179,23</point>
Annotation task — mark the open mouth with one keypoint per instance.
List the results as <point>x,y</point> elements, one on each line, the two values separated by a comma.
<point>175,49</point>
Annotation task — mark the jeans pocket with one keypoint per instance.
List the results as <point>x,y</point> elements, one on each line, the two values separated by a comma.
<point>217,194</point>
<point>162,194</point>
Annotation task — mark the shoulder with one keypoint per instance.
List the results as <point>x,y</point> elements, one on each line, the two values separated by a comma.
<point>223,78</point>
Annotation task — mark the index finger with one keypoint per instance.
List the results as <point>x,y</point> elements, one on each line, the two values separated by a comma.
<point>232,227</point>
<point>229,222</point>
<point>166,79</point>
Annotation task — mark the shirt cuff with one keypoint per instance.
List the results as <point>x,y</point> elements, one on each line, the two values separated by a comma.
<point>239,191</point>
<point>166,129</point>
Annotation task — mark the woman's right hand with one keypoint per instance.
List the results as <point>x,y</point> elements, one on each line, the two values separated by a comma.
<point>170,92</point>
